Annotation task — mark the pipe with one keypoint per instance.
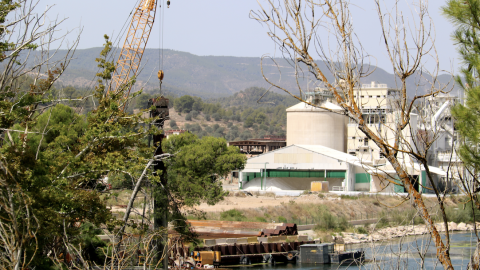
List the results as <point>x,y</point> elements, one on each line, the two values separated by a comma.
<point>437,115</point>
<point>434,127</point>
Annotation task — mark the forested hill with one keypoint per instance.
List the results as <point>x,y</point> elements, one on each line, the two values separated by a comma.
<point>254,97</point>
<point>208,76</point>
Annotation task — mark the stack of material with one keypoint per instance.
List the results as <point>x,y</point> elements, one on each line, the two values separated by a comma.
<point>213,229</point>
<point>281,229</point>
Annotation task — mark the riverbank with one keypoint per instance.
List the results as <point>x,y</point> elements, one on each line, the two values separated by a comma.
<point>389,233</point>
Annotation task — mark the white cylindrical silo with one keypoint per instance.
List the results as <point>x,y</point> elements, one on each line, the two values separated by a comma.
<point>309,125</point>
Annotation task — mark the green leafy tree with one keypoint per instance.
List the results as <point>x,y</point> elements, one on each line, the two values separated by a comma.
<point>465,15</point>
<point>53,163</point>
<point>249,122</point>
<point>217,116</point>
<point>260,118</point>
<point>194,170</point>
<point>184,104</point>
<point>197,105</point>
<point>141,101</point>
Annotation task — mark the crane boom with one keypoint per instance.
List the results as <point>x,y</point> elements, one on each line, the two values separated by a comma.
<point>134,46</point>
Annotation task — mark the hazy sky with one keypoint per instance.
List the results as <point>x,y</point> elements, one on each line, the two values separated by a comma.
<point>223,27</point>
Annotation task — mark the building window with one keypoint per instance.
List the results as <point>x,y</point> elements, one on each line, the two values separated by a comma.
<point>365,142</point>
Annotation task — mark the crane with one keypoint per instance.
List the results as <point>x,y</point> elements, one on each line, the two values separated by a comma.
<point>134,46</point>
<point>126,67</point>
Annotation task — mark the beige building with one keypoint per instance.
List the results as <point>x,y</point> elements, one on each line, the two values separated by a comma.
<point>377,105</point>
<point>323,146</point>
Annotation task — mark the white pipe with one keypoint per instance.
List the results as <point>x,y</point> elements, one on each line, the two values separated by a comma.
<point>437,115</point>
<point>434,128</point>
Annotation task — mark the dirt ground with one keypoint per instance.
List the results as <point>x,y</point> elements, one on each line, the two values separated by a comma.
<point>255,201</point>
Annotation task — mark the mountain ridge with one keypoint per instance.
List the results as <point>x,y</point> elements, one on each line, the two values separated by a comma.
<point>210,76</point>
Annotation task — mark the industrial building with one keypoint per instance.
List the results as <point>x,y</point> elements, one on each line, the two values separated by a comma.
<point>322,146</point>
<point>254,147</point>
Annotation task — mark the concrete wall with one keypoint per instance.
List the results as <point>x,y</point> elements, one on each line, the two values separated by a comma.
<point>379,185</point>
<point>288,183</point>
<point>362,187</point>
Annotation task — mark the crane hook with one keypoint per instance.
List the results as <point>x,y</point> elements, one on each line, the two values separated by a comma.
<point>168,3</point>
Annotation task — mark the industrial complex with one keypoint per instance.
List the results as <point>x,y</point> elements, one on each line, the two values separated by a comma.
<point>324,151</point>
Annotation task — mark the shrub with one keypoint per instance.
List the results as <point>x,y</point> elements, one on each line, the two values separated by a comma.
<point>188,117</point>
<point>460,213</point>
<point>232,215</point>
<point>173,123</point>
<point>282,219</point>
<point>382,221</point>
<point>194,114</point>
<point>217,117</point>
<point>348,197</point>
<point>260,219</point>
<point>362,230</point>
<point>207,117</point>
<point>328,222</point>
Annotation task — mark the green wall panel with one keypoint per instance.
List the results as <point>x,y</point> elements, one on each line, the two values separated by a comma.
<point>317,174</point>
<point>424,178</point>
<point>336,174</point>
<point>398,188</point>
<point>362,178</point>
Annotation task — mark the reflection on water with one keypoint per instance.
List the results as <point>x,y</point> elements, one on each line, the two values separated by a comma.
<point>398,254</point>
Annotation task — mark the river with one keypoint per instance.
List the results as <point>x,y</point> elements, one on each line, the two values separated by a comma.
<point>396,254</point>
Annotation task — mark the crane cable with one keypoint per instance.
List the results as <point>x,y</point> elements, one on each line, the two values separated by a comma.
<point>160,43</point>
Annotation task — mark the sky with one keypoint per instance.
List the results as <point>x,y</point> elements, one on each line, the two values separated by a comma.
<point>223,27</point>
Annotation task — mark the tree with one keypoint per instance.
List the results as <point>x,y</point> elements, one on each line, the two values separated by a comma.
<point>217,117</point>
<point>465,15</point>
<point>141,101</point>
<point>194,170</point>
<point>184,104</point>
<point>249,122</point>
<point>197,105</point>
<point>173,124</point>
<point>303,31</point>
<point>54,162</point>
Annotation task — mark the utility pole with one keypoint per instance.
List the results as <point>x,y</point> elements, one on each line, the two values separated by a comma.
<point>160,204</point>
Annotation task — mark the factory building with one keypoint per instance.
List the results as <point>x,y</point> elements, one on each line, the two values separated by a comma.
<point>324,147</point>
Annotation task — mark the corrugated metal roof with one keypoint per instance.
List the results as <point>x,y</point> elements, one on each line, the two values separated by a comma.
<point>338,155</point>
<point>344,157</point>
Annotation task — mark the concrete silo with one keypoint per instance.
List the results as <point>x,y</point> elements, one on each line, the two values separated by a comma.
<point>308,125</point>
